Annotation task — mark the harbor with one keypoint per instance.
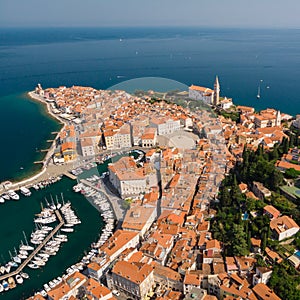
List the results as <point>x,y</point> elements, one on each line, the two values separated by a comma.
<point>37,249</point>
<point>23,212</point>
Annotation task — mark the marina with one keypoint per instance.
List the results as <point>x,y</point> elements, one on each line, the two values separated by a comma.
<point>37,249</point>
<point>23,211</point>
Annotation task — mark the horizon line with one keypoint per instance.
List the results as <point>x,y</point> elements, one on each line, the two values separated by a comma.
<point>144,27</point>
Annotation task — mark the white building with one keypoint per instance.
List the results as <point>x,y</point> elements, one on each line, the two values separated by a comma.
<point>126,177</point>
<point>283,227</point>
<point>165,125</point>
<point>262,275</point>
<point>87,147</point>
<point>201,93</point>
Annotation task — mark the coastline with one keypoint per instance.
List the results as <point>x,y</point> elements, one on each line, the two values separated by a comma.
<point>46,169</point>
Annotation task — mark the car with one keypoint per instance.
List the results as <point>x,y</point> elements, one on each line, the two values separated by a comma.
<point>116,293</point>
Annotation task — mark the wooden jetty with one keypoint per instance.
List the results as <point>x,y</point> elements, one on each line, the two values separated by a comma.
<point>37,249</point>
<point>68,174</point>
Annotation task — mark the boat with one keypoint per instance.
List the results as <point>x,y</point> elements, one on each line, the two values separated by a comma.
<point>39,262</point>
<point>13,195</point>
<point>25,247</point>
<point>11,282</point>
<point>2,200</point>
<point>17,259</point>
<point>19,279</point>
<point>12,264</point>
<point>77,188</point>
<point>5,196</point>
<point>69,225</point>
<point>33,266</point>
<point>47,287</point>
<point>1,288</point>
<point>22,256</point>
<point>36,187</point>
<point>67,229</point>
<point>58,205</point>
<point>5,285</point>
<point>24,275</point>
<point>258,90</point>
<point>25,191</point>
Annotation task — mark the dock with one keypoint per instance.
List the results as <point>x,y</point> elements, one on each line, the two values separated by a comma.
<point>68,174</point>
<point>37,249</point>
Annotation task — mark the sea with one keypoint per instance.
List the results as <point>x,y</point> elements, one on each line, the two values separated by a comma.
<point>101,58</point>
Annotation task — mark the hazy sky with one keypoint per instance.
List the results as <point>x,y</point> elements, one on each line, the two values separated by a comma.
<point>212,13</point>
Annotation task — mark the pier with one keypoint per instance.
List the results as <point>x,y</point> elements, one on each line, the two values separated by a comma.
<point>37,249</point>
<point>71,176</point>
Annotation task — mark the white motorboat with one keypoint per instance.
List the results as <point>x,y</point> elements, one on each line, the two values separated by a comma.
<point>5,196</point>
<point>25,191</point>
<point>47,287</point>
<point>13,195</point>
<point>5,285</point>
<point>67,229</point>
<point>1,288</point>
<point>19,279</point>
<point>2,200</point>
<point>24,275</point>
<point>39,262</point>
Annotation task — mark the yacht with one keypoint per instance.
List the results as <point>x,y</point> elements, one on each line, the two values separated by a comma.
<point>25,191</point>
<point>13,195</point>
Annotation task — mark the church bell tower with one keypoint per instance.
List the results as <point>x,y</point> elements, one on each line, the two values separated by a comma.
<point>216,92</point>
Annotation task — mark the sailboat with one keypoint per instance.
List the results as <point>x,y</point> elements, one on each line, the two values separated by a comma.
<point>258,90</point>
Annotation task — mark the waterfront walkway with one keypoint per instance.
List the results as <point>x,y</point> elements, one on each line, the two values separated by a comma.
<point>37,249</point>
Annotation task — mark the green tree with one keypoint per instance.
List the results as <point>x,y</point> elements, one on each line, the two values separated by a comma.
<point>239,241</point>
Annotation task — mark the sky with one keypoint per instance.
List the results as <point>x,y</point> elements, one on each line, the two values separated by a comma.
<point>141,13</point>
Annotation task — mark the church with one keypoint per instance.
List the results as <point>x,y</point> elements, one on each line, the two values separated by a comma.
<point>207,95</point>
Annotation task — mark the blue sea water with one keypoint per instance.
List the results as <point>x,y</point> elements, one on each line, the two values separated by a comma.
<point>103,57</point>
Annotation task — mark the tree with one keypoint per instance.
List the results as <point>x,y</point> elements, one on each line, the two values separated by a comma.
<point>291,173</point>
<point>239,241</point>
<point>263,241</point>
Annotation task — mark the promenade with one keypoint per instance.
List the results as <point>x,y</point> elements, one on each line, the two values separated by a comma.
<point>37,249</point>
